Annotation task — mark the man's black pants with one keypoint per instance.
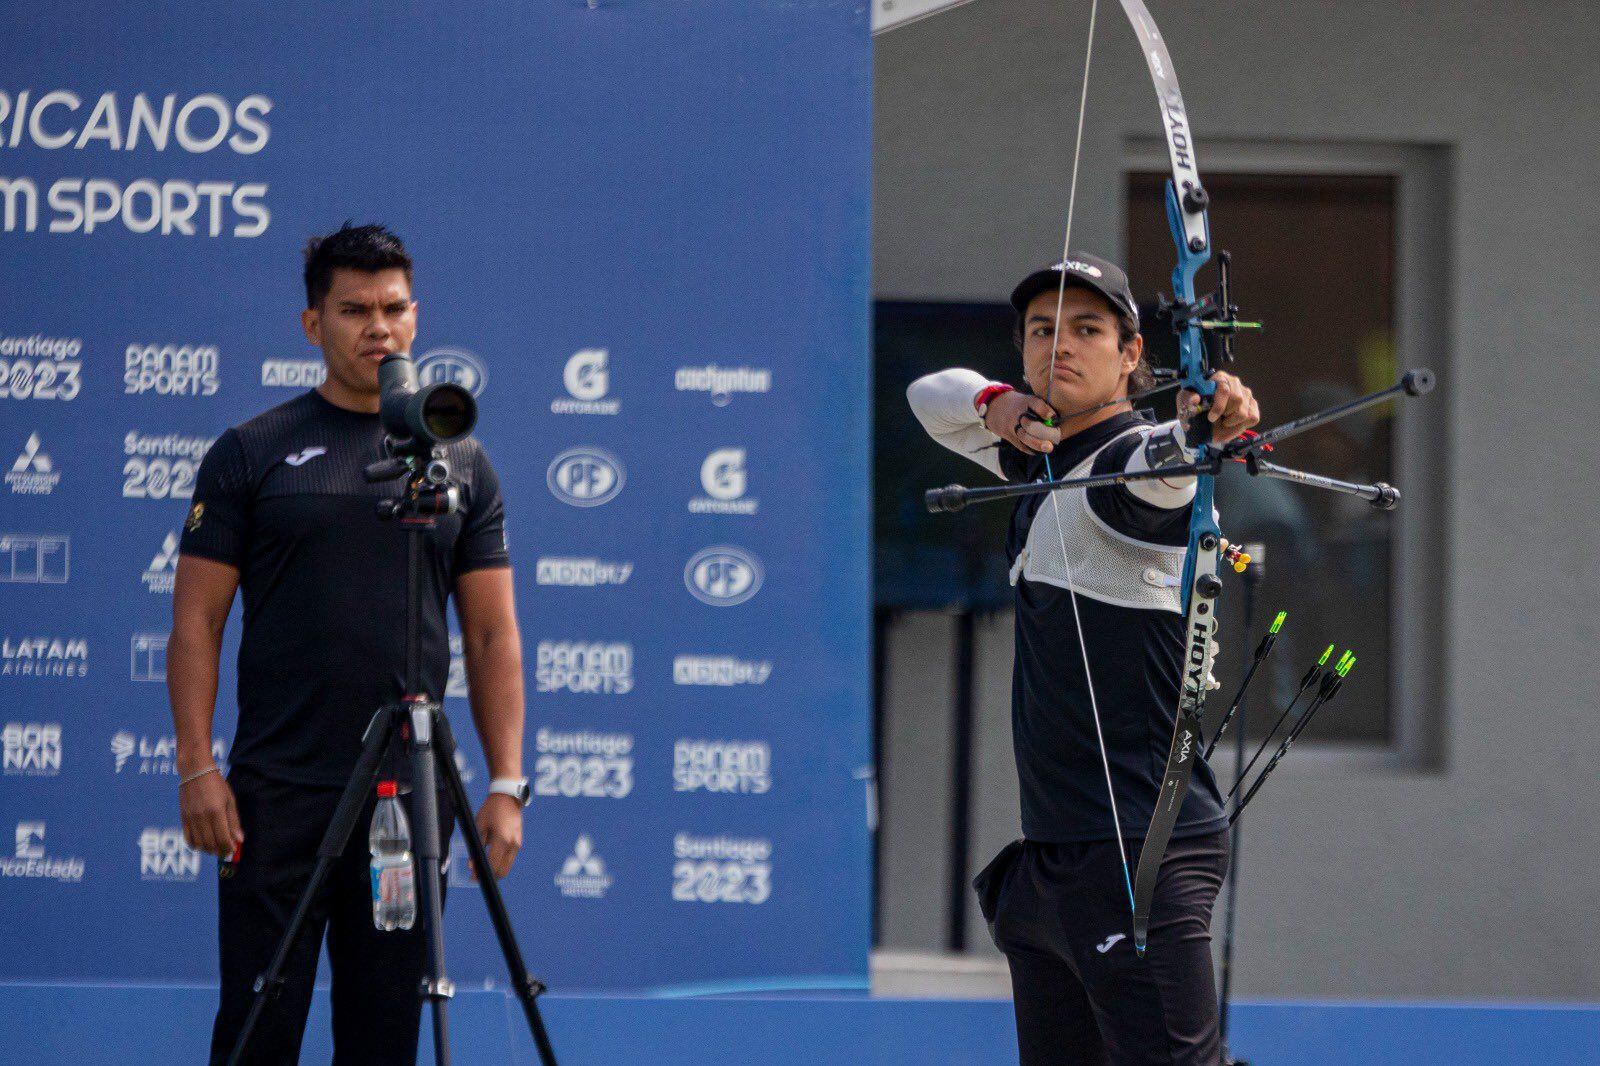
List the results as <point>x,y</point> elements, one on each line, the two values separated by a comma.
<point>376,975</point>
<point>1082,996</point>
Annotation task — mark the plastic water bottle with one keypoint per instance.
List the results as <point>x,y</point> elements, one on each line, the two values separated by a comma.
<point>394,885</point>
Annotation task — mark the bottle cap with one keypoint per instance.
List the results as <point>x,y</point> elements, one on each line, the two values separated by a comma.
<point>386,789</point>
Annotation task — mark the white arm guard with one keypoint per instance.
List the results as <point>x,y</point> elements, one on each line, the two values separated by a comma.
<point>942,402</point>
<point>1162,446</point>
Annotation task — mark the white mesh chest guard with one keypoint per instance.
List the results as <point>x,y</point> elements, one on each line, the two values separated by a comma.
<point>1108,566</point>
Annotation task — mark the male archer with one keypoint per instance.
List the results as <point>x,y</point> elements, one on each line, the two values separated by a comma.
<point>1095,686</point>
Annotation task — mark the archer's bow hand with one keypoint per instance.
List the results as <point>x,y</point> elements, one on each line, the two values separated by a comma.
<point>1232,408</point>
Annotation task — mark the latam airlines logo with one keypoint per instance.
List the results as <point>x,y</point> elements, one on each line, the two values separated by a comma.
<point>586,477</point>
<point>32,473</point>
<point>32,749</point>
<point>162,573</point>
<point>35,558</point>
<point>723,477</point>
<point>723,576</point>
<point>163,855</point>
<point>44,657</point>
<point>587,380</point>
<point>156,755</point>
<point>455,365</point>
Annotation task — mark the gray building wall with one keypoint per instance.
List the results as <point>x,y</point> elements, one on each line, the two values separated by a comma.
<point>1464,867</point>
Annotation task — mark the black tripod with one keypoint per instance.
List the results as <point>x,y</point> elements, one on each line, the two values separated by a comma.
<point>419,722</point>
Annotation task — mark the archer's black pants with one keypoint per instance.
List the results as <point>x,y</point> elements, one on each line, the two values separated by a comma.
<point>1082,996</point>
<point>376,975</point>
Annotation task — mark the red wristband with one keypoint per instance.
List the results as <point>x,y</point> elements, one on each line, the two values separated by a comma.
<point>986,397</point>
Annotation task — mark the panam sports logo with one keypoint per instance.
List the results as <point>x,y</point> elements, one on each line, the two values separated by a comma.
<point>455,365</point>
<point>586,477</point>
<point>723,576</point>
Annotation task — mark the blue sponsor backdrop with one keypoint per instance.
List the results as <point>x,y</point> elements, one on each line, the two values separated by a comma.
<point>641,233</point>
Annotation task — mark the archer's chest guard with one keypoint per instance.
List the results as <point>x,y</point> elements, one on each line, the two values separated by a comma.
<point>1104,565</point>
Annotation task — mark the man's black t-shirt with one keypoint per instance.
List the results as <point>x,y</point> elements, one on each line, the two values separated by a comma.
<point>323,577</point>
<point>1135,655</point>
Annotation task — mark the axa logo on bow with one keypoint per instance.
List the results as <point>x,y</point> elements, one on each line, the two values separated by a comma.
<point>162,573</point>
<point>585,477</point>
<point>163,855</point>
<point>32,749</point>
<point>32,473</point>
<point>35,558</point>
<point>587,379</point>
<point>32,860</point>
<point>454,365</point>
<point>723,477</point>
<point>723,576</point>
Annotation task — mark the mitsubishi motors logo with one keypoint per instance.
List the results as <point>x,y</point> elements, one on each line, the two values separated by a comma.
<point>162,573</point>
<point>32,473</point>
<point>583,875</point>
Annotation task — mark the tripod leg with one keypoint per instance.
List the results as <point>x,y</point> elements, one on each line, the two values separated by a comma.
<point>436,986</point>
<point>526,987</point>
<point>334,841</point>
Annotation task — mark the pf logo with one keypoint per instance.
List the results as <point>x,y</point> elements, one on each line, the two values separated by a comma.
<point>455,365</point>
<point>585,477</point>
<point>722,474</point>
<point>586,376</point>
<point>723,576</point>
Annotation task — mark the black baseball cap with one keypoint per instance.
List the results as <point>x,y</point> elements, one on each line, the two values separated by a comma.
<point>1084,271</point>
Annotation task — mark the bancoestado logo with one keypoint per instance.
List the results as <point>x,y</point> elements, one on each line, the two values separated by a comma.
<point>595,667</point>
<point>585,477</point>
<point>721,869</point>
<point>58,119</point>
<point>584,572</point>
<point>737,767</point>
<point>583,873</point>
<point>587,381</point>
<point>44,658</point>
<point>454,365</point>
<point>162,573</point>
<point>32,473</point>
<point>171,369</point>
<point>31,860</point>
<point>723,576</point>
<point>155,754</point>
<point>32,749</point>
<point>719,670</point>
<point>293,373</point>
<point>583,765</point>
<point>163,855</point>
<point>35,558</point>
<point>39,367</point>
<point>161,466</point>
<point>722,382</point>
<point>723,477</point>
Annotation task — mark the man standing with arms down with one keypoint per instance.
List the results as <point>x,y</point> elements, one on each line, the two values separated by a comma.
<point>282,512</point>
<point>1091,729</point>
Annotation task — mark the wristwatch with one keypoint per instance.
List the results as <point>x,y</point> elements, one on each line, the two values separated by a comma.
<point>515,787</point>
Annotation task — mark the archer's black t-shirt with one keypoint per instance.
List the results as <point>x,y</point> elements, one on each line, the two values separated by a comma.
<point>1135,655</point>
<point>323,578</point>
